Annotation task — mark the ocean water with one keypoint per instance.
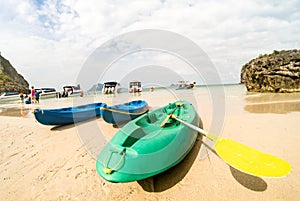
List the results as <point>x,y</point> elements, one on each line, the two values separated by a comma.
<point>209,101</point>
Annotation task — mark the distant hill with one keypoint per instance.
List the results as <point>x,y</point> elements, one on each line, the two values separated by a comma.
<point>96,87</point>
<point>276,72</point>
<point>10,79</point>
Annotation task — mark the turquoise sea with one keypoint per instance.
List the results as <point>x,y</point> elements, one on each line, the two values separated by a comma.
<point>227,99</point>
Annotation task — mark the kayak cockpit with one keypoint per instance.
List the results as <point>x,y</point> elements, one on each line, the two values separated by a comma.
<point>134,137</point>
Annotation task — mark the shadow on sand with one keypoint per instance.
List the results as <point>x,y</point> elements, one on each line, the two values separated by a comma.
<point>248,181</point>
<point>68,126</point>
<point>172,176</point>
<point>62,127</point>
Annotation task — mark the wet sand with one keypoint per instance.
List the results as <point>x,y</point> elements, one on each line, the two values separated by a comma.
<point>51,163</point>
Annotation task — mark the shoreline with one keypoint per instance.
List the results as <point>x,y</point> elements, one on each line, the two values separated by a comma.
<point>50,163</point>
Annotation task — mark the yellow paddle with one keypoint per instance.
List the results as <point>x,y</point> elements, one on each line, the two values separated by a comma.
<point>244,158</point>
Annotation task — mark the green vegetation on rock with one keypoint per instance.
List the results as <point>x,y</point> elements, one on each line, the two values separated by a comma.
<point>10,79</point>
<point>276,72</point>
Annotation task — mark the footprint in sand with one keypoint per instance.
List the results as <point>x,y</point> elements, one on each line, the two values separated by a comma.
<point>80,173</point>
<point>77,175</point>
<point>84,154</point>
<point>34,154</point>
<point>42,177</point>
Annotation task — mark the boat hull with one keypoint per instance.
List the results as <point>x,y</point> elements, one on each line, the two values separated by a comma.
<point>185,87</point>
<point>68,115</point>
<point>9,98</point>
<point>143,149</point>
<point>123,113</point>
<point>49,95</point>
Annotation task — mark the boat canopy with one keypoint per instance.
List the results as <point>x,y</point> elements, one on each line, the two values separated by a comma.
<point>135,83</point>
<point>110,84</point>
<point>48,89</point>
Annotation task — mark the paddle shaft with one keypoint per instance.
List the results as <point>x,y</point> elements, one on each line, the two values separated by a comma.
<point>199,130</point>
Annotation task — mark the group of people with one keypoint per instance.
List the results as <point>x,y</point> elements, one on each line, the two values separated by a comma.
<point>34,96</point>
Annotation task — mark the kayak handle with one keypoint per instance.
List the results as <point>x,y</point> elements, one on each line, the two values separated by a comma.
<point>108,170</point>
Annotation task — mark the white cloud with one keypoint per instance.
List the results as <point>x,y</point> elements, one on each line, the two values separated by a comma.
<point>49,42</point>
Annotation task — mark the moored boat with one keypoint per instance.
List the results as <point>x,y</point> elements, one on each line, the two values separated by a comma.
<point>122,113</point>
<point>135,87</point>
<point>47,93</point>
<point>9,96</point>
<point>110,87</point>
<point>185,85</point>
<point>71,90</point>
<point>68,115</point>
<point>144,147</point>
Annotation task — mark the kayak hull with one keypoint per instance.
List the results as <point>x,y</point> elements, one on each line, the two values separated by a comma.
<point>123,113</point>
<point>68,115</point>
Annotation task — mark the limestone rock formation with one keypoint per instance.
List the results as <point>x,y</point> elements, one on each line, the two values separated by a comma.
<point>276,72</point>
<point>10,79</point>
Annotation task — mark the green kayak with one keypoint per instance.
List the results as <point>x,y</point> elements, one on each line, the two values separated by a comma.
<point>144,147</point>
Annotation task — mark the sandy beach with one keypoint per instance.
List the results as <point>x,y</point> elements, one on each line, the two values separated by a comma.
<point>40,162</point>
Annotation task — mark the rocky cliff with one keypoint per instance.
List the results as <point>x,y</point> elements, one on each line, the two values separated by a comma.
<point>276,72</point>
<point>10,79</point>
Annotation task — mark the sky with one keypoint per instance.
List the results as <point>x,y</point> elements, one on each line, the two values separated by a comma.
<point>48,42</point>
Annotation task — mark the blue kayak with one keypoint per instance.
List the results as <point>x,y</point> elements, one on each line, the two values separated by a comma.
<point>69,115</point>
<point>123,113</point>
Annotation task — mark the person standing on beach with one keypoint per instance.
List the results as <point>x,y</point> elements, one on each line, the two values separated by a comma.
<point>22,96</point>
<point>37,96</point>
<point>32,94</point>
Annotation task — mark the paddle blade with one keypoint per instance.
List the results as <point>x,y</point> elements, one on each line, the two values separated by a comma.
<point>251,161</point>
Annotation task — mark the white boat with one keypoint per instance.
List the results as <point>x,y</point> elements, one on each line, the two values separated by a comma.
<point>110,87</point>
<point>9,96</point>
<point>72,91</point>
<point>47,93</point>
<point>185,85</point>
<point>135,86</point>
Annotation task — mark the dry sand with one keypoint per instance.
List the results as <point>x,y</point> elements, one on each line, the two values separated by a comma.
<point>44,163</point>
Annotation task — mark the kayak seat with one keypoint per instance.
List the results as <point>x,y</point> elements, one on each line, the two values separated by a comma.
<point>149,119</point>
<point>137,134</point>
<point>152,118</point>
